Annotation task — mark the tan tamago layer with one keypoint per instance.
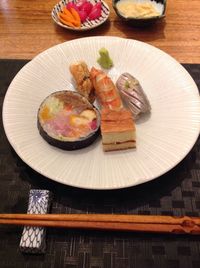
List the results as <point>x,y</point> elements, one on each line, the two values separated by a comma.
<point>119,146</point>
<point>113,137</point>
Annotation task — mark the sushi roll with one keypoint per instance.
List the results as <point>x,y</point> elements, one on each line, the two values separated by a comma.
<point>67,120</point>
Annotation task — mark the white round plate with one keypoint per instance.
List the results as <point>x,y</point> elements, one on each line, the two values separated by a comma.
<point>163,139</point>
<point>88,24</point>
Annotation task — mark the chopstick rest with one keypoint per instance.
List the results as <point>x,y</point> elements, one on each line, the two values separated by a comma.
<point>33,239</point>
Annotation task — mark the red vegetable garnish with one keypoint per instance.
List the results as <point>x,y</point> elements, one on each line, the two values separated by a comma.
<point>80,3</point>
<point>95,12</point>
<point>98,5</point>
<point>71,5</point>
<point>87,7</point>
<point>83,15</point>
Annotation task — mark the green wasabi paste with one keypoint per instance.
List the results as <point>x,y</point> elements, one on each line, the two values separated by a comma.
<point>104,60</point>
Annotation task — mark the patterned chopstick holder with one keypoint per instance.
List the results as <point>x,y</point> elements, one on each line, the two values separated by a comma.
<point>33,238</point>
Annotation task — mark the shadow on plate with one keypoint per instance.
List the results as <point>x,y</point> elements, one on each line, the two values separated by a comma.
<point>143,118</point>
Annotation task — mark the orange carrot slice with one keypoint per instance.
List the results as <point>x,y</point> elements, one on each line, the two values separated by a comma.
<point>68,23</point>
<point>68,13</point>
<point>68,19</point>
<point>75,16</point>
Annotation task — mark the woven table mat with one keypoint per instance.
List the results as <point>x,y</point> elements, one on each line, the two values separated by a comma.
<point>175,193</point>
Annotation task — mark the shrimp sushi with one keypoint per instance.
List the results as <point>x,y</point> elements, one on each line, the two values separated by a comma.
<point>105,90</point>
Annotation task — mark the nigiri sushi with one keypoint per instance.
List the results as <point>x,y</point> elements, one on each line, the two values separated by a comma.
<point>81,75</point>
<point>105,90</point>
<point>133,95</point>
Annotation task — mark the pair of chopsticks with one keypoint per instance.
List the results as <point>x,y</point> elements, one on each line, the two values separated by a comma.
<point>138,223</point>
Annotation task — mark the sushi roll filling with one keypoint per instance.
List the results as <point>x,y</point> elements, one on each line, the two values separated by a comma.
<point>67,116</point>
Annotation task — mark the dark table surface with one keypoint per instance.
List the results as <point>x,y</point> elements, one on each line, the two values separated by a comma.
<point>175,193</point>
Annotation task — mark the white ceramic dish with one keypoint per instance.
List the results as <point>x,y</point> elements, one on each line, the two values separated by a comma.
<point>88,24</point>
<point>159,5</point>
<point>163,139</point>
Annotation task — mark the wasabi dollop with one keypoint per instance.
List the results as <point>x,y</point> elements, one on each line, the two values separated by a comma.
<point>104,60</point>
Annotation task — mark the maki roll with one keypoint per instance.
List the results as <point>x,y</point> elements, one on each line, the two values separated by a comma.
<point>67,120</point>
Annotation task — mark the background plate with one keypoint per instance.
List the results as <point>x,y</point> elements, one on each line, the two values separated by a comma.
<point>88,24</point>
<point>163,139</point>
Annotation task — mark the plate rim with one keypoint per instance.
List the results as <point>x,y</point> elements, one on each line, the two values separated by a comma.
<point>92,187</point>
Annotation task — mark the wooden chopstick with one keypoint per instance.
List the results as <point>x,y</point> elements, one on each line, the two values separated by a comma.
<point>139,223</point>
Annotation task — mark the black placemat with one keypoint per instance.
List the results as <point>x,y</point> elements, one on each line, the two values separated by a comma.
<point>175,193</point>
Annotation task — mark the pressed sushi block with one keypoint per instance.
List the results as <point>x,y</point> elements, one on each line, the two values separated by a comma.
<point>68,120</point>
<point>117,130</point>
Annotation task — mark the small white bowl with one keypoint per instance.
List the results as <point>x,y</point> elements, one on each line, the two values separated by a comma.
<point>88,24</point>
<point>159,4</point>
